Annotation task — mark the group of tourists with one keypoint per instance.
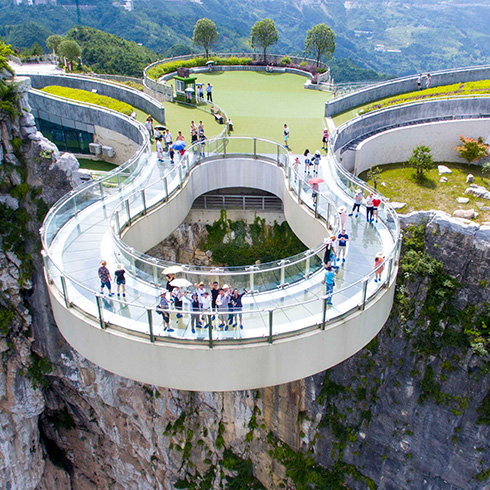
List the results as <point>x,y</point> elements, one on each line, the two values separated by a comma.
<point>205,305</point>
<point>372,206</point>
<point>106,278</point>
<point>420,80</point>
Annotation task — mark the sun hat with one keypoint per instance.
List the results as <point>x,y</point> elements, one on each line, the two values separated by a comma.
<point>163,291</point>
<point>342,209</point>
<point>380,255</point>
<point>119,267</point>
<point>317,152</point>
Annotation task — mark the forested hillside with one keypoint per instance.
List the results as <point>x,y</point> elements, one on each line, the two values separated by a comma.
<point>397,37</point>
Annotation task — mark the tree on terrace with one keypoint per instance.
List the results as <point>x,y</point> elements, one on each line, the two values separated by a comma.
<point>472,149</point>
<point>53,42</point>
<point>70,50</point>
<point>320,40</point>
<point>205,34</point>
<point>263,35</point>
<point>421,160</point>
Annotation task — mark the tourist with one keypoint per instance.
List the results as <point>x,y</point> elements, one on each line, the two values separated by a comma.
<point>306,154</point>
<point>419,82</point>
<point>222,305</point>
<point>209,93</point>
<point>105,278</point>
<point>314,193</point>
<point>149,126</point>
<point>378,267</point>
<point>170,278</point>
<point>229,124</point>
<point>369,208</point>
<point>156,133</point>
<point>343,238</point>
<point>200,290</point>
<point>236,307</point>
<point>296,168</point>
<point>193,132</point>
<point>171,153</point>
<point>329,281</point>
<point>177,298</point>
<point>195,315</point>
<point>316,162</point>
<point>343,215</point>
<point>214,295</point>
<point>162,309</point>
<point>428,80</point>
<point>200,129</point>
<point>120,279</point>
<point>200,92</point>
<point>330,256</point>
<point>358,198</point>
<point>180,136</point>
<point>376,204</point>
<point>206,302</point>
<point>159,146</point>
<point>133,115</point>
<point>286,135</point>
<point>167,137</point>
<point>325,137</point>
<point>202,139</point>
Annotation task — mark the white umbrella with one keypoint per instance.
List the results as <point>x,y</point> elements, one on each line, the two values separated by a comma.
<point>181,283</point>
<point>189,89</point>
<point>210,62</point>
<point>173,269</point>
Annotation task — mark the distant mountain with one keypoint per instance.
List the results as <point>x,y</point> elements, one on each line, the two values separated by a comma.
<point>396,36</point>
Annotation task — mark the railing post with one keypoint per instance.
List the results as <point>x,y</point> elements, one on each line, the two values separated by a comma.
<point>180,176</point>
<point>283,272</point>
<point>307,266</point>
<point>165,187</point>
<point>119,180</point>
<point>155,273</point>
<point>271,322</point>
<point>255,148</point>
<point>143,198</point>
<point>277,158</point>
<point>98,298</point>
<point>150,324</point>
<point>390,269</point>
<point>315,204</point>
<point>128,210</point>
<point>118,223</point>
<point>224,148</point>
<point>299,191</point>
<point>101,189</point>
<point>252,280</point>
<point>324,313</point>
<point>328,214</point>
<point>364,293</point>
<point>65,291</point>
<point>210,331</point>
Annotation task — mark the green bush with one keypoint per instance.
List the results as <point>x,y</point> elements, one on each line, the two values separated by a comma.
<point>286,60</point>
<point>91,98</point>
<point>159,70</point>
<point>303,63</point>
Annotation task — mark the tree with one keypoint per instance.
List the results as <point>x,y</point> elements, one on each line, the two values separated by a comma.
<point>421,160</point>
<point>263,35</point>
<point>36,50</point>
<point>205,34</point>
<point>53,42</point>
<point>374,174</point>
<point>70,50</point>
<point>320,40</point>
<point>471,149</point>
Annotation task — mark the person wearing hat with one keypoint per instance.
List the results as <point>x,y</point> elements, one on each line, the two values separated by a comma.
<point>307,154</point>
<point>378,267</point>
<point>162,309</point>
<point>316,162</point>
<point>120,279</point>
<point>343,238</point>
<point>358,198</point>
<point>222,305</point>
<point>105,278</point>
<point>343,215</point>
<point>330,256</point>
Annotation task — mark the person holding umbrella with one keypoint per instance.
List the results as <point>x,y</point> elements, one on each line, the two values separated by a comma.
<point>314,182</point>
<point>179,145</point>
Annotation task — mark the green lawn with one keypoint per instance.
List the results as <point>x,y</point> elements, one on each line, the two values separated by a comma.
<point>260,103</point>
<point>401,186</point>
<point>96,165</point>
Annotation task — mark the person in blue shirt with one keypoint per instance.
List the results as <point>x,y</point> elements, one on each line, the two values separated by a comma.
<point>343,238</point>
<point>329,281</point>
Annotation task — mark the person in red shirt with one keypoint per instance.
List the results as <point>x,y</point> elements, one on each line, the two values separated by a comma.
<point>376,204</point>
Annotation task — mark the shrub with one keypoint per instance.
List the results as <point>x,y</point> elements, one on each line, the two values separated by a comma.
<point>286,60</point>
<point>84,96</point>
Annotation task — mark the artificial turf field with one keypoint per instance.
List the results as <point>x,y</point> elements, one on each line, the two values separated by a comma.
<point>259,104</point>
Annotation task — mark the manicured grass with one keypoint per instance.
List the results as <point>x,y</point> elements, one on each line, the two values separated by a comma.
<point>401,186</point>
<point>96,165</point>
<point>458,89</point>
<point>260,103</point>
<point>91,98</point>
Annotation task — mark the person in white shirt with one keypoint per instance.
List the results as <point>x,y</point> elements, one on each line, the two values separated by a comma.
<point>167,137</point>
<point>286,135</point>
<point>160,154</point>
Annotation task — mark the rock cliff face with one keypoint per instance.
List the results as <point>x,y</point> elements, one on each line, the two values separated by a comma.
<point>409,411</point>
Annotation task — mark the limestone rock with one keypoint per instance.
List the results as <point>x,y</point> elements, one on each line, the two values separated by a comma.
<point>484,208</point>
<point>470,178</point>
<point>398,205</point>
<point>463,200</point>
<point>27,120</point>
<point>478,191</point>
<point>443,179</point>
<point>69,164</point>
<point>442,169</point>
<point>465,213</point>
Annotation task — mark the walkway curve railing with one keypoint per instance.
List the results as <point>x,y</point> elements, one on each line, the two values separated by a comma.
<point>254,277</point>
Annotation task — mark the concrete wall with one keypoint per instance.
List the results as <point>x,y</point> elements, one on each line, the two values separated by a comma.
<point>76,115</point>
<point>125,148</point>
<point>403,85</point>
<point>154,227</point>
<point>209,216</point>
<point>131,96</point>
<point>225,367</point>
<point>396,145</point>
<point>431,109</point>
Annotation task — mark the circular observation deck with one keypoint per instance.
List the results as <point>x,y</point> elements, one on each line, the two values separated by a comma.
<point>289,330</point>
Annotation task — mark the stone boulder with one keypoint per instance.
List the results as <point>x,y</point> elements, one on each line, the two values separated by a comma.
<point>463,200</point>
<point>442,169</point>
<point>398,205</point>
<point>465,213</point>
<point>68,163</point>
<point>478,191</point>
<point>443,179</point>
<point>470,178</point>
